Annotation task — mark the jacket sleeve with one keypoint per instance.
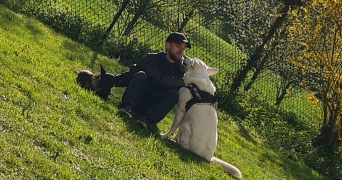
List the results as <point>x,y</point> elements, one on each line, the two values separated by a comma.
<point>126,77</point>
<point>171,82</point>
<point>175,80</point>
<point>139,66</point>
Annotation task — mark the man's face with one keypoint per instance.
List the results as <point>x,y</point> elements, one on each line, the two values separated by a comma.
<point>175,51</point>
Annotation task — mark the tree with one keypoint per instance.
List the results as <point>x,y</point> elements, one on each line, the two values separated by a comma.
<point>288,74</point>
<point>189,11</point>
<point>140,8</point>
<point>256,56</point>
<point>174,16</point>
<point>167,15</point>
<point>317,29</point>
<point>247,24</point>
<point>116,17</point>
<point>179,13</point>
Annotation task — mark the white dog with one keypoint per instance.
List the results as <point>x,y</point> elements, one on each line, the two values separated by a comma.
<point>196,114</point>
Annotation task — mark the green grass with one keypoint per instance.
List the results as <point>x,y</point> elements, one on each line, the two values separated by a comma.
<point>53,129</point>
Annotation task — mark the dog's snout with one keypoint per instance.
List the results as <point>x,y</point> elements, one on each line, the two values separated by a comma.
<point>187,60</point>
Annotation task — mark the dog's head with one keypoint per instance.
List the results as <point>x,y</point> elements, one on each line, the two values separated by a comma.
<point>197,72</point>
<point>100,83</point>
<point>87,80</point>
<point>106,82</point>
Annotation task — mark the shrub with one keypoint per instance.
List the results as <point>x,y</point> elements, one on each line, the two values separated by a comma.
<point>129,51</point>
<point>15,5</point>
<point>63,20</point>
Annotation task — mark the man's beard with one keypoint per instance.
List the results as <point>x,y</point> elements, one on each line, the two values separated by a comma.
<point>173,57</point>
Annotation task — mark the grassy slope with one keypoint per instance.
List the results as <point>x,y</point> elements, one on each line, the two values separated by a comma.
<point>51,128</point>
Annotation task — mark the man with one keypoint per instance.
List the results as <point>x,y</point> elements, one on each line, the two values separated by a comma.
<point>154,82</point>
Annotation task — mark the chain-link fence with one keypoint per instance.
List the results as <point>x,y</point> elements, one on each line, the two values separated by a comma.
<point>222,33</point>
<point>227,35</point>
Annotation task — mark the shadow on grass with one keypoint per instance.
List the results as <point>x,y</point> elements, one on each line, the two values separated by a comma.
<point>184,155</point>
<point>77,53</point>
<point>33,28</point>
<point>295,169</point>
<point>230,105</point>
<point>244,133</point>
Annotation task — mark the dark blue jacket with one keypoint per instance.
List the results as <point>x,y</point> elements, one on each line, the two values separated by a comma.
<point>162,74</point>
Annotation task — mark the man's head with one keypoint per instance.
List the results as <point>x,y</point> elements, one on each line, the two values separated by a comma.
<point>175,45</point>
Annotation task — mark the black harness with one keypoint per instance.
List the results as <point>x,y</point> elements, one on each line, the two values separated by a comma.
<point>199,96</point>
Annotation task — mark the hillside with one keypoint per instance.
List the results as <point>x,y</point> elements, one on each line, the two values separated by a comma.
<point>53,129</point>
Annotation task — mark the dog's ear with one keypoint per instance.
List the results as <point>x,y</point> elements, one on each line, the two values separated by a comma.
<point>103,71</point>
<point>212,71</point>
<point>193,63</point>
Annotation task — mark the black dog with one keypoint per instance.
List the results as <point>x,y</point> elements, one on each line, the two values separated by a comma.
<point>100,83</point>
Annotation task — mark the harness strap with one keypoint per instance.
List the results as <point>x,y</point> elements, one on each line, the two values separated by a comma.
<point>199,96</point>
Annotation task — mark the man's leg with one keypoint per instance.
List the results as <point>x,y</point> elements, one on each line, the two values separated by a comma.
<point>167,101</point>
<point>132,92</point>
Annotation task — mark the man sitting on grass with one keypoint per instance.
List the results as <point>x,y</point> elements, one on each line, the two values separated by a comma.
<point>153,82</point>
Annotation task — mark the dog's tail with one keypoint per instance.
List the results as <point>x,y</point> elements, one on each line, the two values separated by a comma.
<point>228,167</point>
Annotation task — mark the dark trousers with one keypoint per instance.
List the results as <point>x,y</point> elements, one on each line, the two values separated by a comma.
<point>145,101</point>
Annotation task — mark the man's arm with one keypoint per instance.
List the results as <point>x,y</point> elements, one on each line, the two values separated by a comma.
<point>126,77</point>
<point>172,82</point>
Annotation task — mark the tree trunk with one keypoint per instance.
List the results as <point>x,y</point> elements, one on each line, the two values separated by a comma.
<point>330,132</point>
<point>329,136</point>
<point>242,73</point>
<point>186,20</point>
<point>255,75</point>
<point>333,120</point>
<point>281,94</point>
<point>256,56</point>
<point>131,24</point>
<point>116,18</point>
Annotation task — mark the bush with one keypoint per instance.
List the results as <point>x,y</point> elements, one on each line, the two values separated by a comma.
<point>92,36</point>
<point>14,5</point>
<point>129,51</point>
<point>63,20</point>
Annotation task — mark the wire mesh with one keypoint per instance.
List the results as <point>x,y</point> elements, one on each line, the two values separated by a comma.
<point>209,37</point>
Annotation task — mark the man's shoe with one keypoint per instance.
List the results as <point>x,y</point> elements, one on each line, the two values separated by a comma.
<point>126,111</point>
<point>154,128</point>
<point>141,123</point>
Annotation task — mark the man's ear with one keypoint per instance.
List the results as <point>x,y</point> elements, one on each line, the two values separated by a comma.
<point>212,71</point>
<point>167,45</point>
